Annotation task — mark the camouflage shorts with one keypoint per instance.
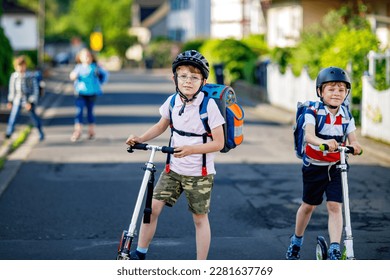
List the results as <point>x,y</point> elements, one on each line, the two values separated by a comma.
<point>196,188</point>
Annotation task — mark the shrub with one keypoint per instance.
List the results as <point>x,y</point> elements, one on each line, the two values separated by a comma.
<point>193,45</point>
<point>238,59</point>
<point>160,53</point>
<point>351,45</point>
<point>6,67</point>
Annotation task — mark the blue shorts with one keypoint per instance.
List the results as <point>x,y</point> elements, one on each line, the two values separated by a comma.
<point>318,180</point>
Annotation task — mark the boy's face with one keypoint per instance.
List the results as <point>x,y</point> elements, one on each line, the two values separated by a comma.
<point>334,93</point>
<point>21,68</point>
<point>189,79</point>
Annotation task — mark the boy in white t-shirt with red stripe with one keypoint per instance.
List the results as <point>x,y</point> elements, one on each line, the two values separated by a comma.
<point>184,169</point>
<point>319,172</point>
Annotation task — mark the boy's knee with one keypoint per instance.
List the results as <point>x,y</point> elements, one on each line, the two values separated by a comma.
<point>308,208</point>
<point>333,207</point>
<point>200,219</point>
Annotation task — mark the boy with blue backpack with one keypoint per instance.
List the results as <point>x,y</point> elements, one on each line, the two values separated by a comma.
<point>326,122</point>
<point>191,168</point>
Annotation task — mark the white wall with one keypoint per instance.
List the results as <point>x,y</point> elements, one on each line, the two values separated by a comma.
<point>375,113</point>
<point>284,25</point>
<point>21,30</point>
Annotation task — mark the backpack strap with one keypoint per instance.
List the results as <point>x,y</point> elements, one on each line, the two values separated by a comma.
<point>204,119</point>
<point>346,120</point>
<point>204,116</point>
<point>317,110</point>
<point>320,116</point>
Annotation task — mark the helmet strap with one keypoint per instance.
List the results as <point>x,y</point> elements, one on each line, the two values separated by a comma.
<point>330,106</point>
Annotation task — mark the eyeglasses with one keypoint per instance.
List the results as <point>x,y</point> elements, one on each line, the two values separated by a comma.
<point>183,78</point>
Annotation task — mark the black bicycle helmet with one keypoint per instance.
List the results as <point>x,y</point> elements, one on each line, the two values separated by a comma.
<point>194,58</point>
<point>332,74</point>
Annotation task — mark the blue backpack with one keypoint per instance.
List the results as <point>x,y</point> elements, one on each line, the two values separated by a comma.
<point>320,115</point>
<point>226,100</point>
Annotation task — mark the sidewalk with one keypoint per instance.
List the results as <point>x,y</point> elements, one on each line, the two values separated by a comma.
<point>54,87</point>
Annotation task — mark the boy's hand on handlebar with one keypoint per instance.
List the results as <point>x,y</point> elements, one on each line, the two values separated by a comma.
<point>132,139</point>
<point>332,145</point>
<point>183,151</point>
<point>357,149</point>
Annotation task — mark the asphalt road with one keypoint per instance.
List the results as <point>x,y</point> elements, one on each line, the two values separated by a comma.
<point>71,201</point>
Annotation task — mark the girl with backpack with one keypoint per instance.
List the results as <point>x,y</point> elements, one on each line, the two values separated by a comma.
<point>88,78</point>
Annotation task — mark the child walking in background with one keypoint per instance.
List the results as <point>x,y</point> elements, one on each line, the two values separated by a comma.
<point>88,78</point>
<point>184,169</point>
<point>23,92</point>
<point>319,172</point>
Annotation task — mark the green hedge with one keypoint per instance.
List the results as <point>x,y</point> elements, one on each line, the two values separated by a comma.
<point>332,42</point>
<point>6,67</point>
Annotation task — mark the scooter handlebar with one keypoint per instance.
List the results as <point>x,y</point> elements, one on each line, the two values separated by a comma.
<point>347,149</point>
<point>144,146</point>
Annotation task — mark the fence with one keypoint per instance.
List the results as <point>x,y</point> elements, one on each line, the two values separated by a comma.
<point>375,115</point>
<point>285,90</point>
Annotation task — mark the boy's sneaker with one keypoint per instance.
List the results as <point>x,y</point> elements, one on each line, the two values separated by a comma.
<point>293,252</point>
<point>135,255</point>
<point>334,255</point>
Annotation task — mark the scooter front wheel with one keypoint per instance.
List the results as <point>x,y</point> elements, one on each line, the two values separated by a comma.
<point>124,246</point>
<point>321,248</point>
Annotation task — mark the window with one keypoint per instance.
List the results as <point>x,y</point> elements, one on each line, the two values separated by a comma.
<point>18,22</point>
<point>179,5</point>
<point>177,34</point>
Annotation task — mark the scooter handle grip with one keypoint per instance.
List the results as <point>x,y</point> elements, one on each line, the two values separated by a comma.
<point>167,150</point>
<point>324,147</point>
<point>137,146</point>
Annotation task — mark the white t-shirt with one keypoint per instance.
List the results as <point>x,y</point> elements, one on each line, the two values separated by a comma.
<point>190,121</point>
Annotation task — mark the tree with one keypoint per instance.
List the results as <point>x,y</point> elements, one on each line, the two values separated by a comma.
<point>112,18</point>
<point>6,51</point>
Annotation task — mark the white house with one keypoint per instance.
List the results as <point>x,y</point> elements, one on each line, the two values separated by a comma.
<point>236,18</point>
<point>188,19</point>
<point>20,26</point>
<point>287,18</point>
<point>191,19</point>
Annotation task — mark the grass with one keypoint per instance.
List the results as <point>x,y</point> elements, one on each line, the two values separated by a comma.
<point>16,144</point>
<point>21,139</point>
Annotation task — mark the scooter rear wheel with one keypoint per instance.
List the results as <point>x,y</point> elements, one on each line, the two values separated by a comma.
<point>321,248</point>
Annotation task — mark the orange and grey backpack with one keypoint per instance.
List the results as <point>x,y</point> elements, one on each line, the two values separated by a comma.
<point>226,100</point>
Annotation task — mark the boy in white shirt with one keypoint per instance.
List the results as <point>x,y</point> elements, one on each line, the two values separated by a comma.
<point>185,171</point>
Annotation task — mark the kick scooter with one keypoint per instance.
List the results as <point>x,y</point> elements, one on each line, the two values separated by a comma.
<point>322,247</point>
<point>147,184</point>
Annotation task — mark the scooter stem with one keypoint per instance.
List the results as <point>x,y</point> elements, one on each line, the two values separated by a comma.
<point>348,242</point>
<point>141,193</point>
